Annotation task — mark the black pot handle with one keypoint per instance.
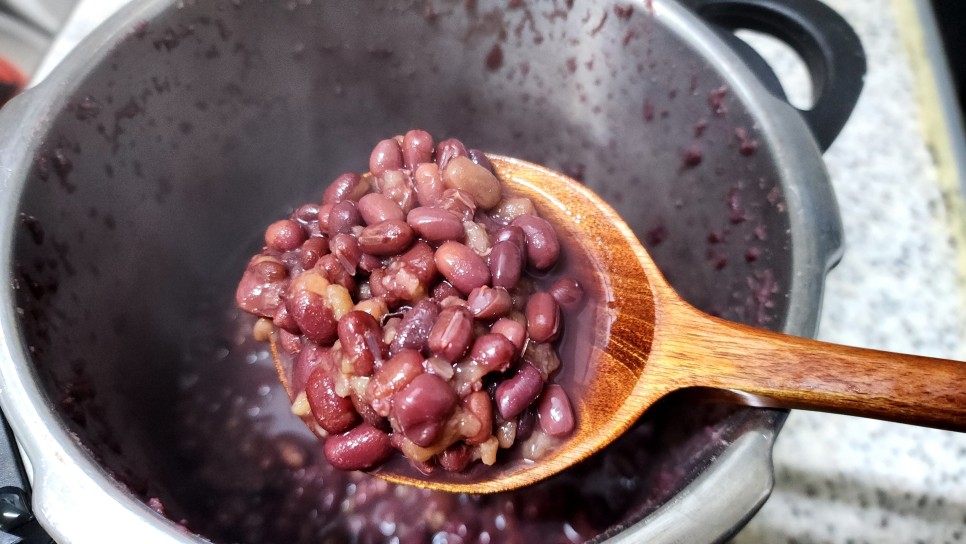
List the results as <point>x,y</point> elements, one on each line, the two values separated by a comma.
<point>17,523</point>
<point>825,41</point>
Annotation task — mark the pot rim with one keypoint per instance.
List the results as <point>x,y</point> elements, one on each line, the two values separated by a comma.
<point>76,499</point>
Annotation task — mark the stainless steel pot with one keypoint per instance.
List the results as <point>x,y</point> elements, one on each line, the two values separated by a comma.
<point>146,163</point>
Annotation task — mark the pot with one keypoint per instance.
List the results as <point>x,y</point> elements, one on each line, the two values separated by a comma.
<point>148,162</point>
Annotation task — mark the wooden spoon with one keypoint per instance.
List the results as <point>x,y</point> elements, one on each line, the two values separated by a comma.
<point>650,343</point>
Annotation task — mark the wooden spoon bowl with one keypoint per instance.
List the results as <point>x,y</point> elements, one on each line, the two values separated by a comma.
<point>649,342</point>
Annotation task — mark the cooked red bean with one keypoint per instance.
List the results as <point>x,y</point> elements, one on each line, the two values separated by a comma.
<point>443,290</point>
<point>567,292</point>
<point>493,352</point>
<point>284,320</point>
<point>455,458</point>
<point>343,217</point>
<point>461,266</point>
<point>506,264</point>
<point>310,358</point>
<point>543,317</point>
<point>459,202</point>
<point>463,174</point>
<point>368,263</point>
<point>478,404</point>
<point>556,414</point>
<point>420,260</point>
<point>451,334</point>
<point>314,318</point>
<point>417,148</point>
<point>513,234</point>
<point>368,413</point>
<point>345,248</point>
<point>392,376</point>
<point>284,235</point>
<point>489,302</point>
<point>362,344</point>
<point>526,423</point>
<point>312,250</point>
<point>428,184</point>
<point>333,413</point>
<point>358,449</point>
<point>385,156</point>
<point>269,270</point>
<point>421,408</point>
<point>386,238</point>
<point>308,212</point>
<point>413,331</point>
<point>448,150</point>
<point>436,225</point>
<point>377,207</point>
<point>516,393</point>
<point>325,211</point>
<point>543,246</point>
<point>333,271</point>
<point>348,186</point>
<point>398,187</point>
<point>481,159</point>
<point>515,332</point>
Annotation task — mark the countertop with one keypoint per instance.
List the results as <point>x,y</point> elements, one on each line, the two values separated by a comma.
<point>901,286</point>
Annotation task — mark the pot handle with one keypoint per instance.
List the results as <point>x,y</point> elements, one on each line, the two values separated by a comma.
<point>17,522</point>
<point>830,48</point>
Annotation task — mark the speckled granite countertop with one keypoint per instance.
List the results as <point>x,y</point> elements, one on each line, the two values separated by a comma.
<point>901,286</point>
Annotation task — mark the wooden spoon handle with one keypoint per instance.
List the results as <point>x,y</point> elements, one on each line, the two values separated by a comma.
<point>763,368</point>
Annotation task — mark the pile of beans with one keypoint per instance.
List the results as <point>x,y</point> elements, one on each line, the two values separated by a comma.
<point>408,302</point>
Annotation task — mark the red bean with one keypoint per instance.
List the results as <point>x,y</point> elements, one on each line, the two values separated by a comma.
<point>459,202</point>
<point>398,187</point>
<point>385,156</point>
<point>358,449</point>
<point>312,250</point>
<point>420,260</point>
<point>436,225</point>
<point>348,186</point>
<point>284,235</point>
<point>324,212</point>
<point>511,234</point>
<point>428,184</point>
<point>448,150</point>
<point>515,332</point>
<point>455,458</point>
<point>345,248</point>
<point>451,334</point>
<point>417,148</point>
<point>481,159</point>
<point>368,263</point>
<point>479,405</point>
<point>361,339</point>
<point>269,270</point>
<point>334,272</point>
<point>556,414</point>
<point>526,422</point>
<point>543,317</point>
<point>333,413</point>
<point>377,207</point>
<point>309,358</point>
<point>343,217</point>
<point>307,213</point>
<point>313,317</point>
<point>493,352</point>
<point>444,290</point>
<point>463,174</point>
<point>461,266</point>
<point>421,408</point>
<point>413,331</point>
<point>489,302</point>
<point>567,292</point>
<point>284,320</point>
<point>392,376</point>
<point>506,264</point>
<point>516,393</point>
<point>543,246</point>
<point>386,238</point>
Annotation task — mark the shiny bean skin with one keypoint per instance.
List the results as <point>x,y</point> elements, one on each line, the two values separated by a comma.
<point>417,148</point>
<point>462,267</point>
<point>398,187</point>
<point>481,159</point>
<point>515,332</point>
<point>368,263</point>
<point>269,270</point>
<point>413,331</point>
<point>361,339</point>
<point>478,403</point>
<point>463,174</point>
<point>428,183</point>
<point>348,186</point>
<point>325,211</point>
<point>312,250</point>
<point>314,318</point>
<point>459,202</point>
<point>421,408</point>
<point>493,352</point>
<point>387,155</point>
<point>436,225</point>
<point>489,302</point>
<point>345,248</point>
<point>543,246</point>
<point>516,393</point>
<point>543,317</point>
<point>343,217</point>
<point>309,359</point>
<point>284,235</point>
<point>376,208</point>
<point>333,413</point>
<point>506,264</point>
<point>448,150</point>
<point>443,291</point>
<point>455,458</point>
<point>420,260</point>
<point>358,449</point>
<point>451,334</point>
<point>555,413</point>
<point>307,213</point>
<point>284,320</point>
<point>567,292</point>
<point>334,272</point>
<point>392,376</point>
<point>513,234</point>
<point>386,238</point>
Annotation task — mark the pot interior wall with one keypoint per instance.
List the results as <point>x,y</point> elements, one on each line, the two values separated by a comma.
<point>212,119</point>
